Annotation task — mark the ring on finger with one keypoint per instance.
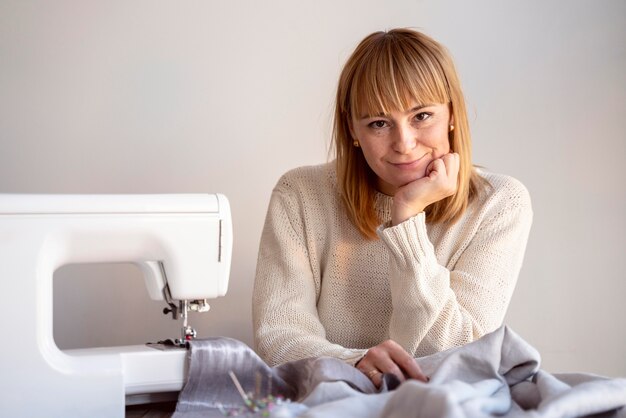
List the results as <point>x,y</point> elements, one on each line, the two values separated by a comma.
<point>372,373</point>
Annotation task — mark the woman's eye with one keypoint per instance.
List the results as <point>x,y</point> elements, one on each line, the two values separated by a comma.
<point>422,116</point>
<point>378,124</point>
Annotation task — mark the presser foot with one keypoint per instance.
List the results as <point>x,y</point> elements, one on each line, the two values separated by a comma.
<point>181,311</point>
<point>188,334</point>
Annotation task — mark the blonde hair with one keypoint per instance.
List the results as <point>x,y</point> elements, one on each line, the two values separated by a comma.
<point>387,71</point>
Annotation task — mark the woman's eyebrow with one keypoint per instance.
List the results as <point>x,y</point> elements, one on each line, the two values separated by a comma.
<point>414,109</point>
<point>420,107</point>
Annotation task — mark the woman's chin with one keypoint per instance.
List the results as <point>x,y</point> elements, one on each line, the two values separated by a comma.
<point>410,178</point>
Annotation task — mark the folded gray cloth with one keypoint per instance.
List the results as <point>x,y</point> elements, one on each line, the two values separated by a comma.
<point>497,375</point>
<point>210,389</point>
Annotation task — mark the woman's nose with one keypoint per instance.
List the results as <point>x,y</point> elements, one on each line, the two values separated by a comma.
<point>404,139</point>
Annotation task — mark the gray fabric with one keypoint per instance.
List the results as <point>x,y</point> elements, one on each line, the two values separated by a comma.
<point>497,375</point>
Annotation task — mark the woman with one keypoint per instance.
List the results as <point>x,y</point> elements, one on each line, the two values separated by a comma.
<point>400,247</point>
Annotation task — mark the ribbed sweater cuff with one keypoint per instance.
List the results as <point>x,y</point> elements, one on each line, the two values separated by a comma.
<point>408,242</point>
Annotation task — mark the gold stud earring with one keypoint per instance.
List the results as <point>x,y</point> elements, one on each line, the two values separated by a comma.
<point>451,127</point>
<point>356,143</point>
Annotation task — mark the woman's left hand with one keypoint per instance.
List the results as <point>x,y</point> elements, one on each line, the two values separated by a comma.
<point>439,182</point>
<point>389,357</point>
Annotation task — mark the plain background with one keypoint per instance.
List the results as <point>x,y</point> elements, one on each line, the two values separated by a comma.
<point>207,96</point>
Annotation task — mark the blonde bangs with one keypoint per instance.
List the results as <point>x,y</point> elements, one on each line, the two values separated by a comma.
<point>395,77</point>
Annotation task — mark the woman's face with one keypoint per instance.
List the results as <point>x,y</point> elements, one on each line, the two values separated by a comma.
<point>400,145</point>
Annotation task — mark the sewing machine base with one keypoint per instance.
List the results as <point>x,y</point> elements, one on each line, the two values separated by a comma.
<point>151,374</point>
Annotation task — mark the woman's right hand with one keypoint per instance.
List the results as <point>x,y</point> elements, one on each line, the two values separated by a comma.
<point>439,182</point>
<point>389,357</point>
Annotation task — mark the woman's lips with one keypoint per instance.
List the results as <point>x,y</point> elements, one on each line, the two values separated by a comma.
<point>409,165</point>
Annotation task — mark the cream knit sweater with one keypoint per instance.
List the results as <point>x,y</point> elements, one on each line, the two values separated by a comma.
<point>321,289</point>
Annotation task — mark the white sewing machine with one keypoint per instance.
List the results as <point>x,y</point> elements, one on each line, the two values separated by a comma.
<point>183,245</point>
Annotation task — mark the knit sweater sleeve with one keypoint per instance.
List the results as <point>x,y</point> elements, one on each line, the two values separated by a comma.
<point>435,308</point>
<point>286,289</point>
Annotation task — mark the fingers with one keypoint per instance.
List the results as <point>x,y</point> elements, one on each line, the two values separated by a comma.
<point>440,182</point>
<point>376,376</point>
<point>452,161</point>
<point>390,357</point>
<point>436,166</point>
<point>368,367</point>
<point>411,369</point>
<point>445,173</point>
<point>376,362</point>
<point>447,165</point>
<point>405,362</point>
<point>388,365</point>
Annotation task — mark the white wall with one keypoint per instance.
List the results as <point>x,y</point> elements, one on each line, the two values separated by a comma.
<point>199,96</point>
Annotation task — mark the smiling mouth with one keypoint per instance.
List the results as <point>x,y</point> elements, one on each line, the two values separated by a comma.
<point>409,164</point>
